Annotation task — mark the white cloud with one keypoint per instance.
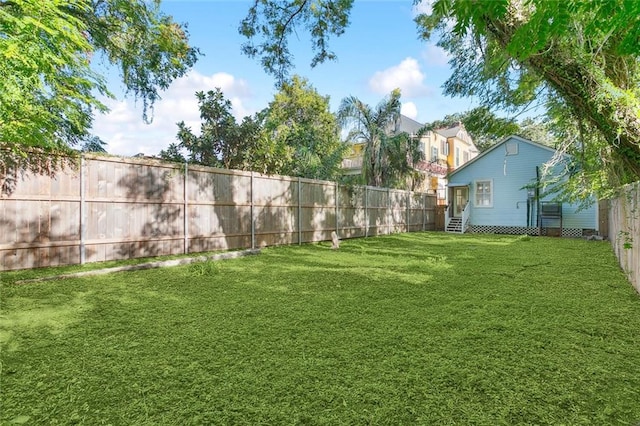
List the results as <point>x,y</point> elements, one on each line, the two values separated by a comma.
<point>406,75</point>
<point>409,109</point>
<point>126,133</point>
<point>434,55</point>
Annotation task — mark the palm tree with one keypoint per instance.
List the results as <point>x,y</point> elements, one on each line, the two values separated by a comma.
<point>403,153</point>
<point>389,156</point>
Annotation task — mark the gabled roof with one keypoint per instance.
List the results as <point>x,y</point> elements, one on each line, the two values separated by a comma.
<point>499,144</point>
<point>459,132</point>
<point>449,132</point>
<point>409,125</point>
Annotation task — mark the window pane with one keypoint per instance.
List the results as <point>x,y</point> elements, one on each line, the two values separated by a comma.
<point>483,193</point>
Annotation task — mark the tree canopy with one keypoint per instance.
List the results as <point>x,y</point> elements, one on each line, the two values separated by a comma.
<point>222,142</point>
<point>269,23</point>
<point>296,135</point>
<point>49,90</point>
<point>94,144</point>
<point>300,127</point>
<point>486,128</point>
<point>580,59</point>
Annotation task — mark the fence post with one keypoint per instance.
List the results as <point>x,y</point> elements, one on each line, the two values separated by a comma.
<point>337,210</point>
<point>299,213</point>
<point>366,211</point>
<point>253,221</point>
<point>388,211</point>
<point>185,247</point>
<point>83,207</point>
<point>408,210</point>
<point>424,211</point>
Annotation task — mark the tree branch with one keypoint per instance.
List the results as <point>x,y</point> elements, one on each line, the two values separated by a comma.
<point>281,40</point>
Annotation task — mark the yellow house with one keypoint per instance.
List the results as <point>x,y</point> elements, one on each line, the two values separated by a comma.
<point>439,148</point>
<point>461,148</point>
<point>434,165</point>
<point>352,162</point>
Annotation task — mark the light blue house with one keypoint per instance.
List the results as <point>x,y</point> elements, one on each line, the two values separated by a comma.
<point>494,193</point>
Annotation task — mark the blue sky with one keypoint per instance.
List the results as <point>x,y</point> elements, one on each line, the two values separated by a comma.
<point>378,52</point>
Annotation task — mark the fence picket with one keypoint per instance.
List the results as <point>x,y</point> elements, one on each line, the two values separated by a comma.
<point>624,231</point>
<point>116,208</point>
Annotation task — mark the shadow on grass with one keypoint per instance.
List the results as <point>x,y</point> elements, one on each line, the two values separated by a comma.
<point>396,330</point>
<point>26,315</point>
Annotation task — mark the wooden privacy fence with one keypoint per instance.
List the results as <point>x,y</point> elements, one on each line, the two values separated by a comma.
<point>624,231</point>
<point>115,208</point>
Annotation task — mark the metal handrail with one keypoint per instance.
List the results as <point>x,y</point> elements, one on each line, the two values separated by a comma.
<point>447,216</point>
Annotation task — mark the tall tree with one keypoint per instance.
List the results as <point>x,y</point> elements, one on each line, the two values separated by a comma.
<point>301,128</point>
<point>296,135</point>
<point>49,91</point>
<point>580,57</point>
<point>389,156</point>
<point>222,142</point>
<point>403,153</point>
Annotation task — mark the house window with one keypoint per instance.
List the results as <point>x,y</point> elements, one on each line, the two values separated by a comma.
<point>457,156</point>
<point>465,156</point>
<point>444,147</point>
<point>484,193</point>
<point>434,153</point>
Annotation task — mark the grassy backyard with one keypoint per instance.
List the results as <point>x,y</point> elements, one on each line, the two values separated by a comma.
<point>424,328</point>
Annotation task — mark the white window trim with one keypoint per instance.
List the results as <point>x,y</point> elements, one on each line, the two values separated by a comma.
<point>475,193</point>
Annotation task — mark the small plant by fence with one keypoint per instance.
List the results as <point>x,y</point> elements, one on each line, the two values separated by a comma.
<point>624,231</point>
<point>115,208</point>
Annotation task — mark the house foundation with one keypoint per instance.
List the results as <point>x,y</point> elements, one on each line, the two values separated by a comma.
<point>529,230</point>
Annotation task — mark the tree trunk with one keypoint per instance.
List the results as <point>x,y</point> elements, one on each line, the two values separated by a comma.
<point>591,95</point>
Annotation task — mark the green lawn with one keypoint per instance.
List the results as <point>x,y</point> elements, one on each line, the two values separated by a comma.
<point>423,328</point>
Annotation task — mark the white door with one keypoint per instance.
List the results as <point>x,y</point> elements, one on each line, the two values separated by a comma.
<point>460,199</point>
